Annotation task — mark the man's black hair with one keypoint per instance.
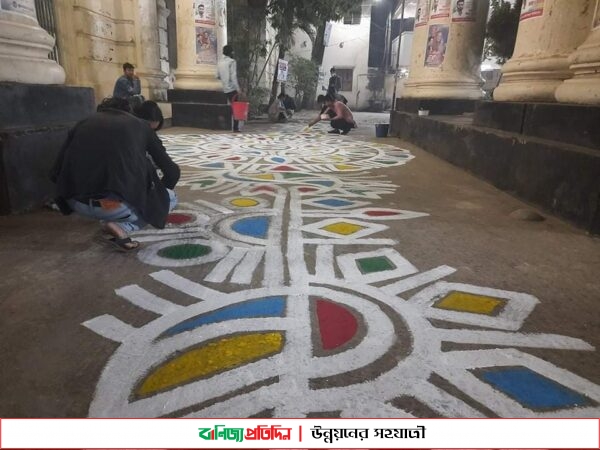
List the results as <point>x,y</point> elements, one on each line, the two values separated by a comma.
<point>150,112</point>
<point>329,98</point>
<point>332,70</point>
<point>282,95</point>
<point>228,50</point>
<point>128,66</point>
<point>114,103</point>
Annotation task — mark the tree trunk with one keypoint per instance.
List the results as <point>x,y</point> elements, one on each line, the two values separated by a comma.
<point>318,49</point>
<point>275,82</point>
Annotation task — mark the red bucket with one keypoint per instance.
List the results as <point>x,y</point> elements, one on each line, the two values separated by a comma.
<point>240,110</point>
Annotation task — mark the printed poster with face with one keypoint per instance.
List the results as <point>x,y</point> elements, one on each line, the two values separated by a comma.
<point>422,14</point>
<point>464,10</point>
<point>206,46</point>
<point>439,9</point>
<point>204,12</point>
<point>437,41</point>
<point>26,7</point>
<point>532,8</point>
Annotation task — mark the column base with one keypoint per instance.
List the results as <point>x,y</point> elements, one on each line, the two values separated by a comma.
<point>200,78</point>
<point>582,91</point>
<point>34,122</point>
<point>200,109</point>
<point>458,90</point>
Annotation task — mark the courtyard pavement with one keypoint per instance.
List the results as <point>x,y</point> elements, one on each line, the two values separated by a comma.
<point>304,274</point>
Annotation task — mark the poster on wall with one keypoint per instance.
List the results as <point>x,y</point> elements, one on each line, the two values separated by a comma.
<point>422,14</point>
<point>282,71</point>
<point>206,46</point>
<point>26,7</point>
<point>437,41</point>
<point>204,12</point>
<point>532,8</point>
<point>464,10</point>
<point>597,16</point>
<point>439,9</point>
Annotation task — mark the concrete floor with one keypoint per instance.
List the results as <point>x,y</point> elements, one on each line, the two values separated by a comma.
<point>56,279</point>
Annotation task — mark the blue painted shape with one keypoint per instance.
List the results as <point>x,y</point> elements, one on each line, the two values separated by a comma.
<point>278,159</point>
<point>218,165</point>
<point>531,389</point>
<point>260,307</point>
<point>322,182</point>
<point>252,226</point>
<point>334,202</point>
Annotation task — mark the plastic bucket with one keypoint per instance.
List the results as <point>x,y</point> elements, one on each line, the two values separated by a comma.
<point>382,129</point>
<point>240,110</point>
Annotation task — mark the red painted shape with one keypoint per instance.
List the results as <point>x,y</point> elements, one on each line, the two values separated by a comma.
<point>381,212</point>
<point>285,169</point>
<point>307,189</point>
<point>264,188</point>
<point>337,325</point>
<point>233,158</point>
<point>178,219</point>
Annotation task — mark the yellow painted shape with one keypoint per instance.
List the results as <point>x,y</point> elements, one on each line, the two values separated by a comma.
<point>471,303</point>
<point>264,176</point>
<point>243,202</point>
<point>344,228</point>
<point>217,356</point>
<point>345,167</point>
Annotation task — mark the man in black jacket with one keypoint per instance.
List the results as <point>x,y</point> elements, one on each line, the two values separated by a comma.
<point>104,172</point>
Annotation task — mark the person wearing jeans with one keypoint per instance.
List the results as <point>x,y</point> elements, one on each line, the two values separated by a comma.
<point>107,170</point>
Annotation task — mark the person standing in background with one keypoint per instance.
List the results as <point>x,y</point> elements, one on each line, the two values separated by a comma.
<point>227,73</point>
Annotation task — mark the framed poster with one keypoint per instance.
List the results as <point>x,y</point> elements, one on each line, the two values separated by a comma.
<point>422,14</point>
<point>532,8</point>
<point>437,41</point>
<point>26,7</point>
<point>439,9</point>
<point>464,10</point>
<point>282,70</point>
<point>206,45</point>
<point>204,12</point>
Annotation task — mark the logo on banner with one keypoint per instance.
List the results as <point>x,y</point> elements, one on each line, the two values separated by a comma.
<point>532,8</point>
<point>260,433</point>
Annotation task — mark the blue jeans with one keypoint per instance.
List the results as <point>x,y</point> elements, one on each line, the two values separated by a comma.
<point>124,216</point>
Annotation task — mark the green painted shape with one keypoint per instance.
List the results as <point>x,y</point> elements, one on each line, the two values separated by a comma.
<point>205,183</point>
<point>184,251</point>
<point>375,264</point>
<point>288,175</point>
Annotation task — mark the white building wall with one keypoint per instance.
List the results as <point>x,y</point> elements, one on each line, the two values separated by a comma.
<point>348,48</point>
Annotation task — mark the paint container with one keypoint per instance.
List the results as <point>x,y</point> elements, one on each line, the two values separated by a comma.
<point>423,112</point>
<point>382,129</point>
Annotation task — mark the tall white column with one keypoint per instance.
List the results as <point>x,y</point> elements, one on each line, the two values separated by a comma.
<point>197,46</point>
<point>24,47</point>
<point>584,87</point>
<point>149,70</point>
<point>163,39</point>
<point>447,49</point>
<point>549,31</point>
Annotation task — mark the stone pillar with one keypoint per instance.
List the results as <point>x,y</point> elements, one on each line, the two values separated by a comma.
<point>447,49</point>
<point>197,48</point>
<point>24,47</point>
<point>154,86</point>
<point>163,39</point>
<point>584,87</point>
<point>549,31</point>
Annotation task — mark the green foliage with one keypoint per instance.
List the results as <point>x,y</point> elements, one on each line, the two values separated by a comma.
<point>257,96</point>
<point>304,76</point>
<point>286,16</point>
<point>502,29</point>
